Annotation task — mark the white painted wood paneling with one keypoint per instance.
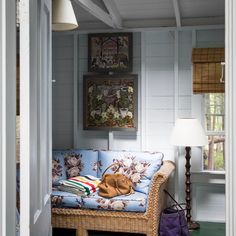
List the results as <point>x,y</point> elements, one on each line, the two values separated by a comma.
<point>7,117</point>
<point>161,103</point>
<point>185,82</point>
<point>231,116</point>
<point>160,50</point>
<point>161,80</point>
<point>35,118</point>
<point>151,8</point>
<point>159,63</point>
<point>156,37</point>
<point>209,202</point>
<point>160,89</point>
<point>62,91</point>
<point>192,8</point>
<point>210,38</point>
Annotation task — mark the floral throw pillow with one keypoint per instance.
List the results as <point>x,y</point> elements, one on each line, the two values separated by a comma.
<point>58,167</point>
<point>57,170</point>
<point>70,163</point>
<point>73,162</point>
<point>132,168</point>
<point>138,166</point>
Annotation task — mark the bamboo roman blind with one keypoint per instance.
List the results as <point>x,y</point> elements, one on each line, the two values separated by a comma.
<point>207,70</point>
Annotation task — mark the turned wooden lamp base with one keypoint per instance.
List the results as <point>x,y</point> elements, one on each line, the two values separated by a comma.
<point>192,225</point>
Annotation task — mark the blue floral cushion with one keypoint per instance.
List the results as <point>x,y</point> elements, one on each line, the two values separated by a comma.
<point>138,166</point>
<point>62,199</point>
<point>70,163</point>
<point>134,202</point>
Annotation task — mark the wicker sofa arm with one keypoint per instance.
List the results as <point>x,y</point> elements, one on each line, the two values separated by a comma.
<point>156,195</point>
<point>166,169</point>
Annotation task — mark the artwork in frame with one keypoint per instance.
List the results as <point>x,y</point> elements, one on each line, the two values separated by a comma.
<point>110,102</point>
<point>110,52</point>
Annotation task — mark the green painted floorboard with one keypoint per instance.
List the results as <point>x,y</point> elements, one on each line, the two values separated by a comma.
<point>206,229</point>
<point>210,229</point>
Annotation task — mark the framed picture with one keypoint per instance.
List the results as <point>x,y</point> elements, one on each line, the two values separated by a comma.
<point>111,102</point>
<point>111,52</point>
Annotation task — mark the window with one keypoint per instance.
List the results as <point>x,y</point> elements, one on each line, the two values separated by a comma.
<point>214,152</point>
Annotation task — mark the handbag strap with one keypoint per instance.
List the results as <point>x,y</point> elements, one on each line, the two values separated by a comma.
<point>113,164</point>
<point>173,199</point>
<point>131,191</point>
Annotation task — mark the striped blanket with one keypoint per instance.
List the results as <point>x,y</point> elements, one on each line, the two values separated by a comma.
<point>80,185</point>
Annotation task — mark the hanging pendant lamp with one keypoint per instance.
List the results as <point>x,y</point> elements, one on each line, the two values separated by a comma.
<point>63,16</point>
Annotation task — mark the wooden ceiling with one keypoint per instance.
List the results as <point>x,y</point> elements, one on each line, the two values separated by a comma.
<point>131,14</point>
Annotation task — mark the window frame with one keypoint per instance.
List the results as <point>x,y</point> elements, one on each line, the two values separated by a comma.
<point>198,111</point>
<point>211,132</point>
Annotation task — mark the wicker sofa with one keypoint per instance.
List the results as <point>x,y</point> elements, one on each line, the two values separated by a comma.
<point>84,218</point>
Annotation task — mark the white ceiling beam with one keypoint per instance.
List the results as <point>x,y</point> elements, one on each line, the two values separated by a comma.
<point>203,21</point>
<point>144,23</point>
<point>96,11</point>
<point>177,13</point>
<point>171,22</point>
<point>114,13</point>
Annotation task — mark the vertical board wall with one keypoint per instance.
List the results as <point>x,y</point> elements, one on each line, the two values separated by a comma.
<point>62,91</point>
<point>162,59</point>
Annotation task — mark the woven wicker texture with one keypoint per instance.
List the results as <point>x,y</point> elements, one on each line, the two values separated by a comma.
<point>207,70</point>
<point>147,223</point>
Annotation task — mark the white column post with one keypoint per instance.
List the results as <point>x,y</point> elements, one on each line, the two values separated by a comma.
<point>230,88</point>
<point>143,94</point>
<point>7,117</point>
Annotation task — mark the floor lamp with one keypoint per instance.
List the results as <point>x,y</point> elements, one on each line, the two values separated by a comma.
<point>188,133</point>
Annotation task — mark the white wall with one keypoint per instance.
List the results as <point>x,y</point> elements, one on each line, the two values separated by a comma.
<point>209,202</point>
<point>158,56</point>
<point>62,91</point>
<point>162,59</point>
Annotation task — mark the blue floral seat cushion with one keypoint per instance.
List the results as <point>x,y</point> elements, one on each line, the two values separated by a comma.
<point>62,199</point>
<point>138,166</point>
<point>134,202</point>
<point>70,163</point>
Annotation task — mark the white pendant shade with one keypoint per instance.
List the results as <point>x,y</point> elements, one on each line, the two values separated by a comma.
<point>189,133</point>
<point>63,16</point>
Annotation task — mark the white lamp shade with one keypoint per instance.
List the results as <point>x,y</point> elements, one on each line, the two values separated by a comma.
<point>63,16</point>
<point>188,132</point>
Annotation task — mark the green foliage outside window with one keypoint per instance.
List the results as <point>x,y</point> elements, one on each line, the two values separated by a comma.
<point>214,157</point>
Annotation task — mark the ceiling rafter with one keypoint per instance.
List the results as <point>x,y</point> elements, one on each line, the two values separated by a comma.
<point>177,13</point>
<point>114,13</point>
<point>96,11</point>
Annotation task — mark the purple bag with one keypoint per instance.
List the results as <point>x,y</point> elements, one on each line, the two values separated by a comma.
<point>173,221</point>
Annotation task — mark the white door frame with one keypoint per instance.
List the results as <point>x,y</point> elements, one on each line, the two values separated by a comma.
<point>7,117</point>
<point>35,117</point>
<point>230,41</point>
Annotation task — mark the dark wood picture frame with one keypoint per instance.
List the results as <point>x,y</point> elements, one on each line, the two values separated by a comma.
<point>110,52</point>
<point>110,102</point>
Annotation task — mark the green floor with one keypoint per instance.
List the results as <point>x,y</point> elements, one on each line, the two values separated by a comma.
<point>210,229</point>
<point>206,229</point>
